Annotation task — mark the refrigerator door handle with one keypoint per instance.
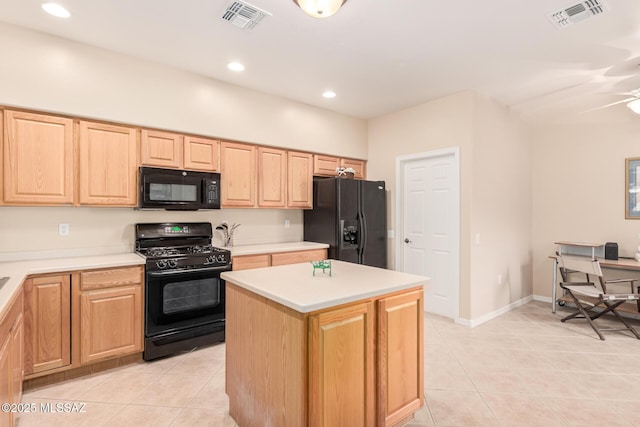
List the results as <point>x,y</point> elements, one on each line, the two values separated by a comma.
<point>362,224</point>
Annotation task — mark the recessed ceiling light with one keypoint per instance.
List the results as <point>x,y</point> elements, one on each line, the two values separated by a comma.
<point>235,66</point>
<point>56,10</point>
<point>329,94</point>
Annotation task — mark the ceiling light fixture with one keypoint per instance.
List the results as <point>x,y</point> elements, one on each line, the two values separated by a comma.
<point>635,106</point>
<point>320,8</point>
<point>235,66</point>
<point>329,94</point>
<point>56,10</point>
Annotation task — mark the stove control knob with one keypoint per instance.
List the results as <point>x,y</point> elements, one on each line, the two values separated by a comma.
<point>172,263</point>
<point>211,259</point>
<point>161,264</point>
<point>221,258</point>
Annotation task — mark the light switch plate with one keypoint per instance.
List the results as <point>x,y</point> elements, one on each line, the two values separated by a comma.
<point>63,229</point>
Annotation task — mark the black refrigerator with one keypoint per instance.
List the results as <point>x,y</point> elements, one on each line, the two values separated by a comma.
<point>351,217</point>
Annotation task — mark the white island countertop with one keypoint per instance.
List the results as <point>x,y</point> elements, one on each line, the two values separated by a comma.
<point>269,248</point>
<point>294,285</point>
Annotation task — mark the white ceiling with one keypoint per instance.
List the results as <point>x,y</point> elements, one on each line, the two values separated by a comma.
<point>379,56</point>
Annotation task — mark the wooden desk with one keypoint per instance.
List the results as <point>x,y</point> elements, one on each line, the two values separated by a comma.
<point>619,264</point>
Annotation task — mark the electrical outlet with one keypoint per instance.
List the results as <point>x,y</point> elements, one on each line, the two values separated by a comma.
<point>63,229</point>
<point>287,223</point>
<point>390,234</point>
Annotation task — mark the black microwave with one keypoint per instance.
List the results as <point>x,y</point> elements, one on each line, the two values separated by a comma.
<point>173,189</point>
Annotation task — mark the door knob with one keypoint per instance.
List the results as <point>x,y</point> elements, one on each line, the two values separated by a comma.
<point>407,241</point>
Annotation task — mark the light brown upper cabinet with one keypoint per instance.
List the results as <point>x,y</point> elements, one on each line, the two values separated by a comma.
<point>238,175</point>
<point>285,178</point>
<point>172,150</point>
<point>272,177</point>
<point>357,165</point>
<point>299,180</point>
<point>38,159</point>
<point>327,165</point>
<point>202,154</point>
<point>108,164</point>
<point>162,149</point>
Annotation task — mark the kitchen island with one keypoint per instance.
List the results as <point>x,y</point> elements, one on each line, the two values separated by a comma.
<point>344,349</point>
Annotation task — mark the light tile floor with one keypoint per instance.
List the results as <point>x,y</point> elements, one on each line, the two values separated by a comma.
<point>525,368</point>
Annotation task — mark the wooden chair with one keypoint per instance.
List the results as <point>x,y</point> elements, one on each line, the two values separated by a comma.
<point>587,294</point>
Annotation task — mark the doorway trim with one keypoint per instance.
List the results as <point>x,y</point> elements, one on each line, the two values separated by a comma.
<point>399,223</point>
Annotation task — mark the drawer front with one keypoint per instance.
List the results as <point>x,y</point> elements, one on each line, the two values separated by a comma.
<point>298,257</point>
<point>111,277</point>
<point>251,261</point>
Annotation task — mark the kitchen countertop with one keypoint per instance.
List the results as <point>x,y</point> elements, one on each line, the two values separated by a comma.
<point>17,271</point>
<point>295,286</point>
<point>275,247</point>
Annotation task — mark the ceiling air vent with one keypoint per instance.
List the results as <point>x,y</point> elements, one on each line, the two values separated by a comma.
<point>244,15</point>
<point>578,12</point>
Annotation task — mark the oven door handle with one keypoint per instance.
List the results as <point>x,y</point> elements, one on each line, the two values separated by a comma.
<point>192,270</point>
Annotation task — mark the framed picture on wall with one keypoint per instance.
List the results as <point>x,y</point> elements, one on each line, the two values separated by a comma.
<point>632,188</point>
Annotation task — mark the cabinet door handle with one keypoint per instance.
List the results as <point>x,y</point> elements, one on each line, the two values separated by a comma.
<point>407,241</point>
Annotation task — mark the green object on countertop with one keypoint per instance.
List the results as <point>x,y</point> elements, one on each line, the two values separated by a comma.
<point>321,265</point>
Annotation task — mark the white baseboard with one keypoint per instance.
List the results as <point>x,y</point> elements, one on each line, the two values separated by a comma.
<point>542,299</point>
<point>472,323</point>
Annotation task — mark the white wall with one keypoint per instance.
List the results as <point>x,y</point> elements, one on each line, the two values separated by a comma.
<point>111,230</point>
<point>495,197</point>
<point>579,189</point>
<point>501,209</point>
<point>47,73</point>
<point>446,122</point>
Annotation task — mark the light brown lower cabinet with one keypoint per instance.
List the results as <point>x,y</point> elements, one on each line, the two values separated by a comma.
<point>284,258</point>
<point>109,306</point>
<point>78,318</point>
<point>11,357</point>
<point>5,379</point>
<point>111,323</point>
<point>359,364</point>
<point>341,369</point>
<point>17,356</point>
<point>245,262</point>
<point>400,354</point>
<point>47,322</point>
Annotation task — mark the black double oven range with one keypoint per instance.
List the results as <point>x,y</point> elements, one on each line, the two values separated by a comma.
<point>184,294</point>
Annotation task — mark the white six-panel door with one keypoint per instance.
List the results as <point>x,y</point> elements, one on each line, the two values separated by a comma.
<point>428,228</point>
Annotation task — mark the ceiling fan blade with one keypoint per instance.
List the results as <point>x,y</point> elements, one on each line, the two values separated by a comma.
<point>602,107</point>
